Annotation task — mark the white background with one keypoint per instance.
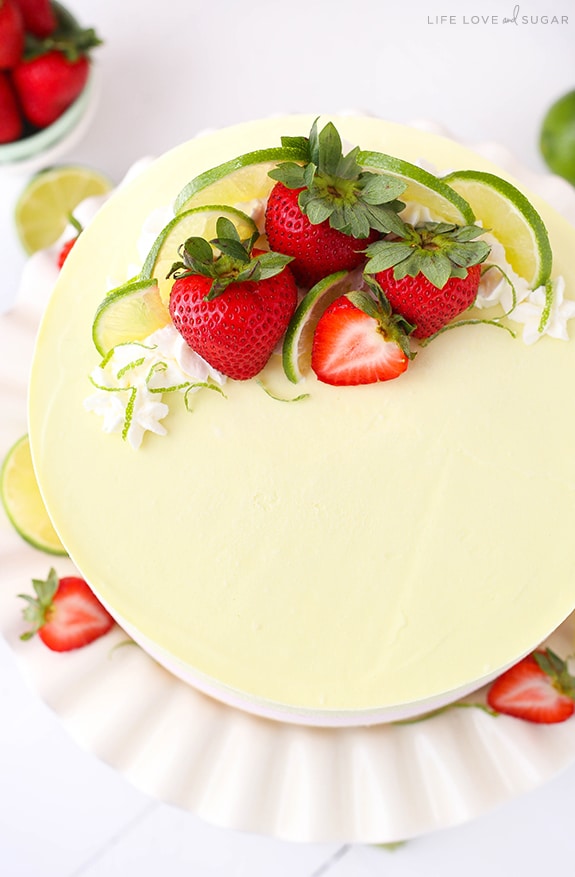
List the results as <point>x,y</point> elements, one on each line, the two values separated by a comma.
<point>167,71</point>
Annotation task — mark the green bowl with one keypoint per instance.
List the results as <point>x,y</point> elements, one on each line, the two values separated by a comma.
<point>33,151</point>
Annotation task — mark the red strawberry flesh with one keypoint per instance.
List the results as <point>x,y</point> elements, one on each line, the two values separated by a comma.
<point>525,691</point>
<point>65,613</point>
<point>350,348</point>
<point>76,617</point>
<point>65,251</point>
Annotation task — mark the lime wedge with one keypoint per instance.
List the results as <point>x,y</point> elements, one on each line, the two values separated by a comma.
<point>22,500</point>
<point>422,187</point>
<point>512,219</point>
<point>129,313</point>
<point>43,208</point>
<point>557,138</point>
<point>197,222</point>
<point>237,181</point>
<point>296,352</point>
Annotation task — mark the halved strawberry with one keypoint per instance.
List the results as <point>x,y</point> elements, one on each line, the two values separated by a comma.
<point>538,689</point>
<point>53,73</point>
<point>65,613</point>
<point>359,341</point>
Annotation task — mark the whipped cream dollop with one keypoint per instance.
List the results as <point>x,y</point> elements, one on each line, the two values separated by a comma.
<point>542,311</point>
<point>545,311</point>
<point>130,382</point>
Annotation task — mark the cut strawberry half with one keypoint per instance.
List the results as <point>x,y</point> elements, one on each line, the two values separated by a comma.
<point>65,613</point>
<point>358,341</point>
<point>538,689</point>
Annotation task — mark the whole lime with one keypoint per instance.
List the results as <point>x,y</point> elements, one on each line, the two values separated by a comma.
<point>557,139</point>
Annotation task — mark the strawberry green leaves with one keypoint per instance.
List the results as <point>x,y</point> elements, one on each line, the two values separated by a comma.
<point>37,607</point>
<point>394,327</point>
<point>438,250</point>
<point>233,263</point>
<point>334,187</point>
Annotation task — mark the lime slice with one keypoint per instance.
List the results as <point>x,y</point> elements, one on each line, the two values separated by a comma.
<point>22,500</point>
<point>512,219</point>
<point>296,352</point>
<point>43,209</point>
<point>422,187</point>
<point>197,222</point>
<point>557,139</point>
<point>129,313</point>
<point>237,181</point>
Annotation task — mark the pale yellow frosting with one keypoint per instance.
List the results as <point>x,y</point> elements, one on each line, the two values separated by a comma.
<point>363,548</point>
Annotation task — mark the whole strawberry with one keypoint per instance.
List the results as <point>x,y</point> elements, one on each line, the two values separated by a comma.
<point>48,85</point>
<point>232,308</point>
<point>326,212</point>
<point>10,118</point>
<point>431,274</point>
<point>53,74</point>
<point>39,16</point>
<point>318,250</point>
<point>11,34</point>
<point>65,613</point>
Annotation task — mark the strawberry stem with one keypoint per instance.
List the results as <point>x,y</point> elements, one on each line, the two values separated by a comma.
<point>234,263</point>
<point>438,250</point>
<point>38,608</point>
<point>69,38</point>
<point>334,187</point>
<point>557,670</point>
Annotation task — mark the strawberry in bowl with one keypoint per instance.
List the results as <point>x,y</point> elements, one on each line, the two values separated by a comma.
<point>47,88</point>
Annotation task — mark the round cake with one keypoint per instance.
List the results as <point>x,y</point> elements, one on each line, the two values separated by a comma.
<point>317,553</point>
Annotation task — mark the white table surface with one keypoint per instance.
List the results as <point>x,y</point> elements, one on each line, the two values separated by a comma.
<point>168,71</point>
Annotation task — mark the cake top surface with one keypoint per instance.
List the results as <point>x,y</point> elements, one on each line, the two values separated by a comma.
<point>361,548</point>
